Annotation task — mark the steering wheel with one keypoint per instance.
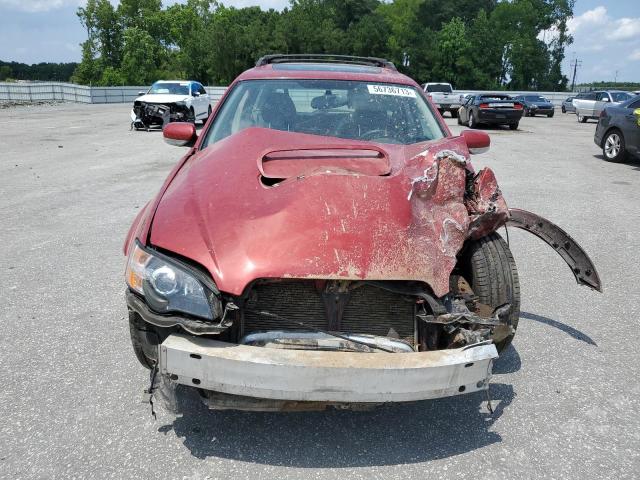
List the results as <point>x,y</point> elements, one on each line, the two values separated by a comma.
<point>375,133</point>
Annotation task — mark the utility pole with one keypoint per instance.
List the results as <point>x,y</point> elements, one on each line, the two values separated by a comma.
<point>615,78</point>
<point>575,64</point>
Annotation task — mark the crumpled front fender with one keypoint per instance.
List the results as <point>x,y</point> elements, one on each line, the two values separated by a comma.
<point>572,253</point>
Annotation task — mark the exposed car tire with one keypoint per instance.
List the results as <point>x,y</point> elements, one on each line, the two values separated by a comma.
<point>582,118</point>
<point>490,269</point>
<point>471,123</point>
<point>144,348</point>
<point>613,147</point>
<point>514,126</point>
<point>454,113</point>
<point>550,114</point>
<point>441,112</point>
<point>192,116</point>
<point>207,117</point>
<point>564,110</point>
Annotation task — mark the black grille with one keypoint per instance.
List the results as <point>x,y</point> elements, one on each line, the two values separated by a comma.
<point>370,310</point>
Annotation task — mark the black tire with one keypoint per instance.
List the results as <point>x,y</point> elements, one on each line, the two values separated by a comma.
<point>441,112</point>
<point>527,113</point>
<point>144,341</point>
<point>550,114</point>
<point>514,126</point>
<point>471,123</point>
<point>489,267</point>
<point>581,118</point>
<point>454,113</point>
<point>192,116</point>
<point>564,110</point>
<point>614,151</point>
<point>204,121</point>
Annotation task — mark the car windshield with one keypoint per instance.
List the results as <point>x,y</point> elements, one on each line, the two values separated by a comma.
<point>621,96</point>
<point>385,113</point>
<point>172,88</point>
<point>439,87</point>
<point>534,98</point>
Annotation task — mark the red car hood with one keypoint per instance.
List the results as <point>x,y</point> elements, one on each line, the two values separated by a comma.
<point>394,213</point>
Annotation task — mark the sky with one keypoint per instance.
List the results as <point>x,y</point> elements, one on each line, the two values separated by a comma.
<point>606,34</point>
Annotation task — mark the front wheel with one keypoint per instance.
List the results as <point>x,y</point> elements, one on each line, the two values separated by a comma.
<point>581,118</point>
<point>489,267</point>
<point>613,147</point>
<point>550,114</point>
<point>514,126</point>
<point>564,110</point>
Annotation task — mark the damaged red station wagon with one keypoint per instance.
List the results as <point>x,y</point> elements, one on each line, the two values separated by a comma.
<point>326,241</point>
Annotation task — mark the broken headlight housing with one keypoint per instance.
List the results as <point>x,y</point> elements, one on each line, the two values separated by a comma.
<point>169,286</point>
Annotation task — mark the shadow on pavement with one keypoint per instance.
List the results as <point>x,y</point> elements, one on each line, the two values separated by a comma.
<point>577,334</point>
<point>390,435</point>
<point>632,162</point>
<point>508,362</point>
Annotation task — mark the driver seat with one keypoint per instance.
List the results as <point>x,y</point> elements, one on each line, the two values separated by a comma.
<point>279,112</point>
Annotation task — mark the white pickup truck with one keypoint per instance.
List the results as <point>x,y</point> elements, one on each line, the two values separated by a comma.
<point>442,96</point>
<point>591,104</point>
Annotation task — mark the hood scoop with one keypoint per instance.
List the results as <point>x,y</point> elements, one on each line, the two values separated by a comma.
<point>283,164</point>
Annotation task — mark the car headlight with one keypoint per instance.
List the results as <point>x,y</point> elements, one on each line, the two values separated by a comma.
<point>168,286</point>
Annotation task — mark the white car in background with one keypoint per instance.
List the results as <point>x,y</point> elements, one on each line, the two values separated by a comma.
<point>443,98</point>
<point>170,101</point>
<point>591,104</point>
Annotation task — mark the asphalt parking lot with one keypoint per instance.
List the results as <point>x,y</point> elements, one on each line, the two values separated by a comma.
<point>566,394</point>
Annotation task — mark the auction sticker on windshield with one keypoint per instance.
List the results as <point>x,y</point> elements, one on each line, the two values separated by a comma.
<point>390,90</point>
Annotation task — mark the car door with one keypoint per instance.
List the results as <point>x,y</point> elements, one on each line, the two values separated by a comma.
<point>602,99</point>
<point>199,103</point>
<point>204,98</point>
<point>631,127</point>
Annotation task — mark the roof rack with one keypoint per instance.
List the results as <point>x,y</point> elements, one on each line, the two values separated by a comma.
<point>324,58</point>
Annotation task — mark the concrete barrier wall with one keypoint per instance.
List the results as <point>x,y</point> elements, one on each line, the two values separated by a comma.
<point>69,92</point>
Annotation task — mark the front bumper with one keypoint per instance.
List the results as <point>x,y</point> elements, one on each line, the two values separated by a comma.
<point>324,376</point>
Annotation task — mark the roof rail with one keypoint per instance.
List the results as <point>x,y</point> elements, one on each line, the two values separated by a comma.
<point>324,58</point>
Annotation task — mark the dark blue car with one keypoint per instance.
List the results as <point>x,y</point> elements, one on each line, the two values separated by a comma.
<point>536,105</point>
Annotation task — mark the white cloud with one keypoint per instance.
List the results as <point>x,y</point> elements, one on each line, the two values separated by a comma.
<point>38,5</point>
<point>635,55</point>
<point>626,29</point>
<point>589,19</point>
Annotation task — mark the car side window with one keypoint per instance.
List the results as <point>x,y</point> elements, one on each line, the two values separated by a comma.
<point>634,105</point>
<point>201,90</point>
<point>601,96</point>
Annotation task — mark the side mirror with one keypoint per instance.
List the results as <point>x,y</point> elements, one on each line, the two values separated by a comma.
<point>140,93</point>
<point>477,142</point>
<point>180,134</point>
<point>605,99</point>
<point>196,94</point>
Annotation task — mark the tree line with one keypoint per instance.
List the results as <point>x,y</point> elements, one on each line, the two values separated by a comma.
<point>479,44</point>
<point>60,72</point>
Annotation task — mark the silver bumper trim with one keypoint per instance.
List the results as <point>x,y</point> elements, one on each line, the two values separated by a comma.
<point>307,375</point>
